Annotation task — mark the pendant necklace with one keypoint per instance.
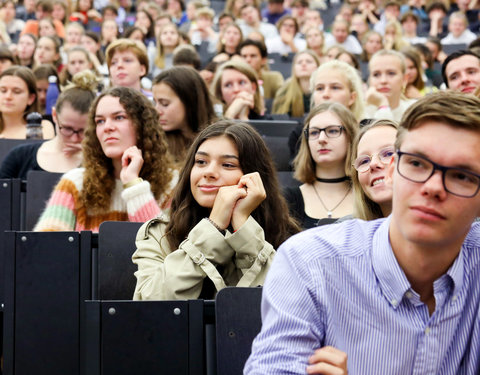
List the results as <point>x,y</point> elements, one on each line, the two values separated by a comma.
<point>330,212</point>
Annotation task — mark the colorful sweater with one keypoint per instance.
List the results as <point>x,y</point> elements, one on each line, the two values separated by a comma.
<point>65,210</point>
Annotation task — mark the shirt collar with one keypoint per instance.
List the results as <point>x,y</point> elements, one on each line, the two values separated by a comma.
<point>391,278</point>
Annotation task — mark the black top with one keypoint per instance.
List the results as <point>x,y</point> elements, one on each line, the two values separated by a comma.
<point>296,205</point>
<point>20,160</point>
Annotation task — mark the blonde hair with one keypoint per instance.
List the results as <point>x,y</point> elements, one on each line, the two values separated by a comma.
<point>245,69</point>
<point>160,57</point>
<point>304,165</point>
<point>352,77</point>
<point>289,98</point>
<point>364,207</point>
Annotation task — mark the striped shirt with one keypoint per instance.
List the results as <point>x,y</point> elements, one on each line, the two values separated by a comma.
<point>341,285</point>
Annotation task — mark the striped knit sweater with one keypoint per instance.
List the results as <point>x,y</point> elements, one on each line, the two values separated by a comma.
<point>65,210</point>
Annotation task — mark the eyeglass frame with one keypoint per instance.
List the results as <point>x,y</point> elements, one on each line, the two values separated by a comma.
<point>79,133</point>
<point>340,127</point>
<point>371,158</point>
<point>438,167</point>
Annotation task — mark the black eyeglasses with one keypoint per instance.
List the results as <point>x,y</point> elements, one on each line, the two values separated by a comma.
<point>456,181</point>
<point>331,131</point>
<point>362,163</point>
<point>68,131</point>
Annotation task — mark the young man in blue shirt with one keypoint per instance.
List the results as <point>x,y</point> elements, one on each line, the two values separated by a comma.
<point>398,295</point>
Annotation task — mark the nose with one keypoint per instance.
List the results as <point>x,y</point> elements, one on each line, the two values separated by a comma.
<point>323,136</point>
<point>326,93</point>
<point>109,125</point>
<point>211,170</point>
<point>375,163</point>
<point>433,187</point>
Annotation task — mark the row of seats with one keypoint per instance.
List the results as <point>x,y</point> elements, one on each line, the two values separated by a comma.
<point>67,310</point>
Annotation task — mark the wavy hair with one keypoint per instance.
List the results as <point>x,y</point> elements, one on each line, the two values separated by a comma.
<point>254,156</point>
<point>304,165</point>
<point>289,98</point>
<point>364,207</point>
<point>99,178</point>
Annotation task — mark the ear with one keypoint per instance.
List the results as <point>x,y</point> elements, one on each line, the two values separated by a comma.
<point>254,85</point>
<point>143,70</point>
<point>31,98</point>
<point>54,115</point>
<point>264,61</point>
<point>353,97</point>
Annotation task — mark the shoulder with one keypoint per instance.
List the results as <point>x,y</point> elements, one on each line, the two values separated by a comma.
<point>271,75</point>
<point>346,240</point>
<point>75,177</point>
<point>24,149</point>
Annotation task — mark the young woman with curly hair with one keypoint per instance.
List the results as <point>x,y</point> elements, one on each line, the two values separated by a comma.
<point>227,218</point>
<point>126,174</point>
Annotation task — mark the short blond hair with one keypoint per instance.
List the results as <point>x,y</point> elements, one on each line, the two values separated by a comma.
<point>136,47</point>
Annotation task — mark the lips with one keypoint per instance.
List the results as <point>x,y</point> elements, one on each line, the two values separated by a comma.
<point>378,181</point>
<point>209,188</point>
<point>468,89</point>
<point>383,89</point>
<point>110,139</point>
<point>427,213</point>
<point>324,151</point>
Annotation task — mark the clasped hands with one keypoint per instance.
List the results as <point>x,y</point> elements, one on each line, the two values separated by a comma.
<point>234,204</point>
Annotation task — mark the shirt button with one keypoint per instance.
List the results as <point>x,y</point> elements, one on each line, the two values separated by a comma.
<point>427,330</point>
<point>409,295</point>
<point>394,302</point>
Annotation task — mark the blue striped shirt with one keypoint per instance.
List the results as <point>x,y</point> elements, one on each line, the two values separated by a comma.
<point>341,285</point>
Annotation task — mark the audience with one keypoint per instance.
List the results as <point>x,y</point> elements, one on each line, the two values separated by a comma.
<point>63,152</point>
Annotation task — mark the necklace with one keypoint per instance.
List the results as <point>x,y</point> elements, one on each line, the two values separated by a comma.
<point>330,212</point>
<point>332,180</point>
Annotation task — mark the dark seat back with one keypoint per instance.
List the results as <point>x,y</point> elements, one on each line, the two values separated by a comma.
<point>44,287</point>
<point>7,144</point>
<point>116,244</point>
<point>238,321</point>
<point>40,185</point>
<point>144,337</point>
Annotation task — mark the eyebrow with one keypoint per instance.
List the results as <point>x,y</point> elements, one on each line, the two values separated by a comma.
<point>226,156</point>
<point>112,114</point>
<point>467,167</point>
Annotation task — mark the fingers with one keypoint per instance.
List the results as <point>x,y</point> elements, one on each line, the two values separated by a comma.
<point>132,162</point>
<point>224,204</point>
<point>328,361</point>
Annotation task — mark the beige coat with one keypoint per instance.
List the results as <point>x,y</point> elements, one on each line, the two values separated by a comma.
<point>164,274</point>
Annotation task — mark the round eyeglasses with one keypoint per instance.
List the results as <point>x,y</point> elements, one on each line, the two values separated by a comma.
<point>457,181</point>
<point>331,131</point>
<point>362,163</point>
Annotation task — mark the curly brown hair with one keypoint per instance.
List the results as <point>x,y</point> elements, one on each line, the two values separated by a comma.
<point>99,178</point>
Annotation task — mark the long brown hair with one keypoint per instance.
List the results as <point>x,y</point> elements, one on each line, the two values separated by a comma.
<point>254,156</point>
<point>99,178</point>
<point>192,91</point>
